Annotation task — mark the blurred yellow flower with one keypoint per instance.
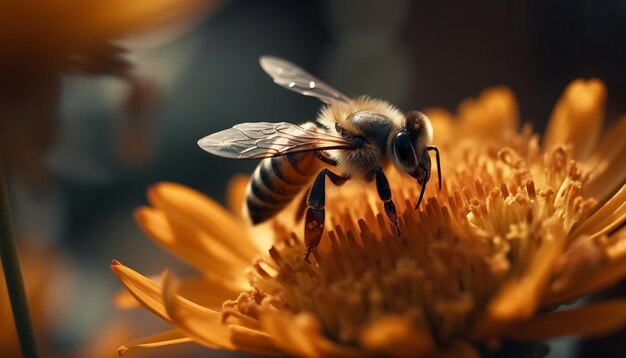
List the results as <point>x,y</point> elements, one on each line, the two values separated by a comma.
<point>76,35</point>
<point>520,227</point>
<point>39,40</point>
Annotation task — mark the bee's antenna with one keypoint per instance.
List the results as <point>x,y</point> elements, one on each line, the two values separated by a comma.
<point>432,147</point>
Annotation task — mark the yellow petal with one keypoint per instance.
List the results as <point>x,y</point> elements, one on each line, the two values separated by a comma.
<point>603,278</point>
<point>147,292</point>
<point>490,115</point>
<point>203,324</point>
<point>396,336</point>
<point>180,201</point>
<point>519,298</point>
<point>115,17</point>
<point>200,323</point>
<point>609,166</point>
<point>577,117</point>
<point>615,247</point>
<point>253,340</point>
<point>236,194</point>
<point>157,340</point>
<point>74,27</point>
<point>195,247</point>
<point>125,300</point>
<point>607,275</point>
<point>287,336</point>
<point>301,336</point>
<point>611,215</point>
<point>591,320</point>
<point>205,292</point>
<point>196,289</point>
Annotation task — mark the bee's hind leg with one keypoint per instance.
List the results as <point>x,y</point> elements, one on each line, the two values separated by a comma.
<point>303,201</point>
<point>314,220</point>
<point>384,193</point>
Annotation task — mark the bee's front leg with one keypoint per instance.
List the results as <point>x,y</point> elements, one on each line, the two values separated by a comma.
<point>314,219</point>
<point>384,193</point>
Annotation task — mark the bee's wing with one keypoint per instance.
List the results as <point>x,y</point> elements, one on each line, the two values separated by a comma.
<point>263,140</point>
<point>298,80</point>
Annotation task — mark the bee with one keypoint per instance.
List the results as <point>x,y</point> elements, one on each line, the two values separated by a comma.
<point>351,138</point>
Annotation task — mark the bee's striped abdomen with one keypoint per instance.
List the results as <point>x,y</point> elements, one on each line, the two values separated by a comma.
<point>276,181</point>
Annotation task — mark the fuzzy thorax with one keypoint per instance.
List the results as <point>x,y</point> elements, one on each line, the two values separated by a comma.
<point>357,162</point>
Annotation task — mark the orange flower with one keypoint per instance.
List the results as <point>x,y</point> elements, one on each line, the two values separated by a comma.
<point>75,35</point>
<point>520,226</point>
<point>39,40</point>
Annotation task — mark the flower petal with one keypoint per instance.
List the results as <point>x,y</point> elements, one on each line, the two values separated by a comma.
<point>604,277</point>
<point>196,289</point>
<point>254,340</point>
<point>287,336</point>
<point>154,341</point>
<point>607,275</point>
<point>236,193</point>
<point>125,300</point>
<point>205,292</point>
<point>490,115</point>
<point>301,336</point>
<point>519,298</point>
<point>195,247</point>
<point>591,320</point>
<point>609,166</point>
<point>203,324</point>
<point>117,16</point>
<point>396,336</point>
<point>577,117</point>
<point>146,291</point>
<point>607,218</point>
<point>200,323</point>
<point>230,231</point>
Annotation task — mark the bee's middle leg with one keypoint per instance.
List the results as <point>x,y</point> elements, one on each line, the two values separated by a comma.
<point>315,214</point>
<point>384,193</point>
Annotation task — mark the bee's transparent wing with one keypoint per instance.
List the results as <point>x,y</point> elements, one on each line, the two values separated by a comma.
<point>298,80</point>
<point>264,140</point>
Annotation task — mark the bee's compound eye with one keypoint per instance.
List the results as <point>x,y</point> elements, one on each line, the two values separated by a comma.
<point>404,151</point>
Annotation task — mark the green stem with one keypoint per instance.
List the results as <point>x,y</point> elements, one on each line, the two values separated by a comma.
<point>13,276</point>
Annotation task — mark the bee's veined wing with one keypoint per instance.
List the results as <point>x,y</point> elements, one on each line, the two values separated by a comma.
<point>298,80</point>
<point>264,140</point>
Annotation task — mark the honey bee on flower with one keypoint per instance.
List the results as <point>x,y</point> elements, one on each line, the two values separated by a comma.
<point>357,136</point>
<point>524,223</point>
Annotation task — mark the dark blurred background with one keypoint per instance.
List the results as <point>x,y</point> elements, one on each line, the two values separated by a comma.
<point>207,78</point>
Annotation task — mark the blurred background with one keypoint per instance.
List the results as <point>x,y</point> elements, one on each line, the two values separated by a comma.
<point>116,128</point>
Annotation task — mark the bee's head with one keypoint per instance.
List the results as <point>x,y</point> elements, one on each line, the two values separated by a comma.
<point>409,144</point>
